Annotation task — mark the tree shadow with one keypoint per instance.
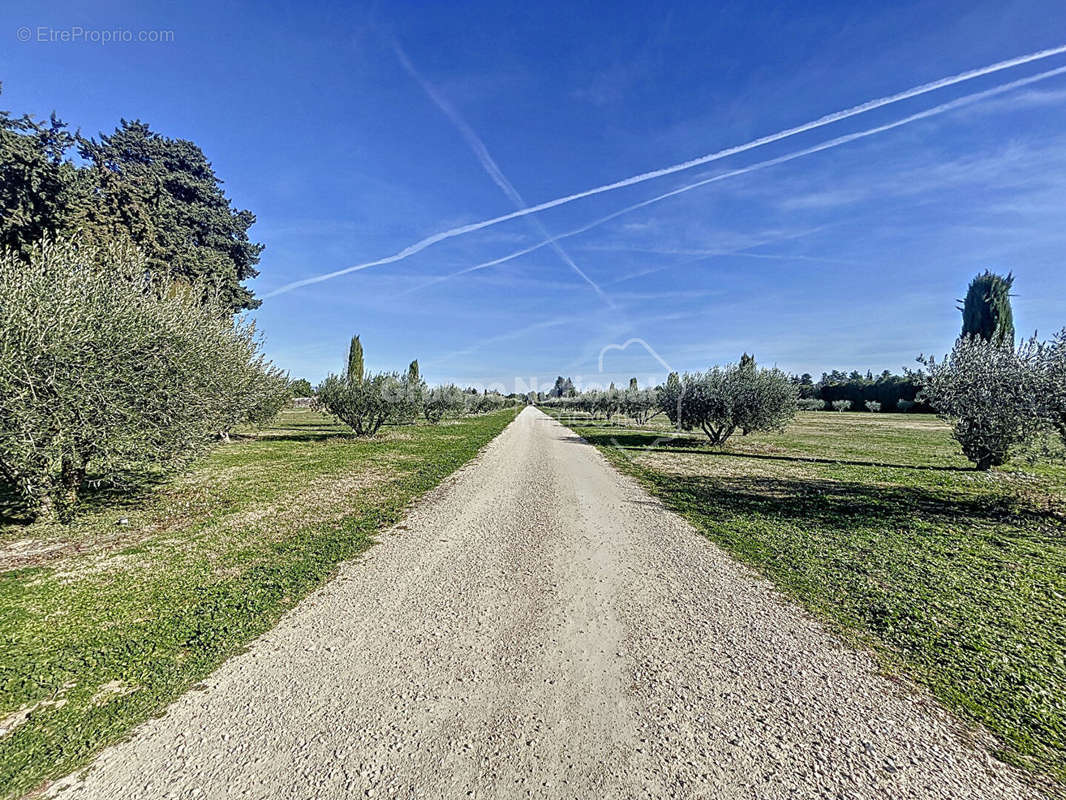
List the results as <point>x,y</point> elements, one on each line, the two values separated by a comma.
<point>848,505</point>
<point>124,490</point>
<point>308,436</point>
<point>664,444</point>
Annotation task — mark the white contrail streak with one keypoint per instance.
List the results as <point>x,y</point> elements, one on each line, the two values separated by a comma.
<point>828,119</point>
<point>837,142</point>
<point>488,163</point>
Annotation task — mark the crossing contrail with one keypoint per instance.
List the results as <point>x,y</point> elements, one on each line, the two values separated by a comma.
<point>488,163</point>
<point>828,119</point>
<point>828,145</point>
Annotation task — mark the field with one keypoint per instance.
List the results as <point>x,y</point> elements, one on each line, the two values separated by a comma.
<point>105,621</point>
<point>877,525</point>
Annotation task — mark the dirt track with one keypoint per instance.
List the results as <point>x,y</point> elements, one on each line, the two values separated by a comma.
<point>540,627</point>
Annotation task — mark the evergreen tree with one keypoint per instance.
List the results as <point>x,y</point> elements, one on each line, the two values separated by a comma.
<point>633,384</point>
<point>164,195</point>
<point>35,180</point>
<point>160,193</point>
<point>413,375</point>
<point>986,311</point>
<point>355,361</point>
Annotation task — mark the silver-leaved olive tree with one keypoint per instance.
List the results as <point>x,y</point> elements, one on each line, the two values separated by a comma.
<point>991,393</point>
<point>109,371</point>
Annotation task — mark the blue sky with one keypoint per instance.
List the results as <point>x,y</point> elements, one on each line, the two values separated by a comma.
<point>847,258</point>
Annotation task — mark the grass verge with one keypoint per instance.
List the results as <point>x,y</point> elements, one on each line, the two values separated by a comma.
<point>105,622</point>
<point>875,523</point>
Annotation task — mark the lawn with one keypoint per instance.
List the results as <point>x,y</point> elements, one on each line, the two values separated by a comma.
<point>877,524</point>
<point>105,621</point>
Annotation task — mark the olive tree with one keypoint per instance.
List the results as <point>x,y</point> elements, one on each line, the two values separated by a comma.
<point>991,394</point>
<point>1053,378</point>
<point>726,399</point>
<point>253,392</point>
<point>443,401</point>
<point>640,405</point>
<point>763,399</point>
<point>363,405</point>
<point>108,372</point>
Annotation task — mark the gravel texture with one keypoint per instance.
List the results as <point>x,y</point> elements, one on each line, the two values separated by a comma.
<point>540,627</point>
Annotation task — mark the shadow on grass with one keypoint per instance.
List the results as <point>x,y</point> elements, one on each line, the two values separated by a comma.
<point>126,491</point>
<point>307,436</point>
<point>848,506</point>
<point>653,443</point>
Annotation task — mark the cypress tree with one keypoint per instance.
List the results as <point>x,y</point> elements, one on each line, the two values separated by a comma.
<point>633,383</point>
<point>986,311</point>
<point>355,361</point>
<point>412,372</point>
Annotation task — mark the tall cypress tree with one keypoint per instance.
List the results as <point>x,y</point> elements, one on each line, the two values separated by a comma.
<point>412,372</point>
<point>986,311</point>
<point>355,361</point>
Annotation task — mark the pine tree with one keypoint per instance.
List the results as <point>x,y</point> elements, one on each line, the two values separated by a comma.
<point>355,361</point>
<point>164,194</point>
<point>986,311</point>
<point>35,180</point>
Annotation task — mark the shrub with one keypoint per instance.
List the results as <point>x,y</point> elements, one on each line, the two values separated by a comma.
<point>841,405</point>
<point>904,405</point>
<point>992,394</point>
<point>107,373</point>
<point>873,405</point>
<point>443,401</point>
<point>363,405</point>
<point>725,399</point>
<point>810,404</point>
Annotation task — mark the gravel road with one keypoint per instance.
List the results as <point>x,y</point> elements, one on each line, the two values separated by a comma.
<point>541,627</point>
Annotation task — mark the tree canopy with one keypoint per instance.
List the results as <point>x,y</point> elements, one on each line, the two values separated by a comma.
<point>160,193</point>
<point>986,310</point>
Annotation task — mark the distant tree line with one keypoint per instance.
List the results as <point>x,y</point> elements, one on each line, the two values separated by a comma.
<point>722,401</point>
<point>892,392</point>
<point>365,401</point>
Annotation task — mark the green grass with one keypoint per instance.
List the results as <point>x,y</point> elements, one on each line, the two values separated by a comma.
<point>103,624</point>
<point>877,524</point>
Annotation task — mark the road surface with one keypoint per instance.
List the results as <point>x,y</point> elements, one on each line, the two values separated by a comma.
<point>541,627</point>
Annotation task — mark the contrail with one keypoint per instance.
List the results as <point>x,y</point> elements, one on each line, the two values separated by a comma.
<point>489,164</point>
<point>837,142</point>
<point>828,119</point>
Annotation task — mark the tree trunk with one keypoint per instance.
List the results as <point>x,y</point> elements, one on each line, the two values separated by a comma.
<point>71,478</point>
